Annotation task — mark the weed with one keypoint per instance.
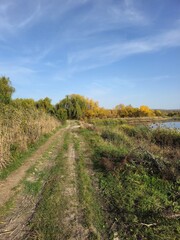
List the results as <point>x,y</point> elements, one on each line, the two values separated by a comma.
<point>139,200</point>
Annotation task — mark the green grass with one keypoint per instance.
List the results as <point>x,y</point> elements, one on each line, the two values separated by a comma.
<point>48,219</point>
<point>35,178</point>
<point>33,186</point>
<point>108,122</point>
<point>88,197</point>
<point>6,208</point>
<point>134,195</point>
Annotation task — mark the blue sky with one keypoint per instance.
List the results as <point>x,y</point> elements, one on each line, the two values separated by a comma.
<point>114,51</point>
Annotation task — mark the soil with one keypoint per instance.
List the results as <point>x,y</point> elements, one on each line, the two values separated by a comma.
<point>72,220</point>
<point>14,179</point>
<point>14,224</point>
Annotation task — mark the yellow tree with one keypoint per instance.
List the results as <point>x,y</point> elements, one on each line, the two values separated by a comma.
<point>146,111</point>
<point>92,108</point>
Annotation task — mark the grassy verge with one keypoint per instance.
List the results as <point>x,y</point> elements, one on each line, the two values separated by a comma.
<point>141,201</point>
<point>47,222</point>
<point>20,158</point>
<point>37,175</point>
<point>88,197</point>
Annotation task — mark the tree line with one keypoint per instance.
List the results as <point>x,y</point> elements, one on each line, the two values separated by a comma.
<point>73,106</point>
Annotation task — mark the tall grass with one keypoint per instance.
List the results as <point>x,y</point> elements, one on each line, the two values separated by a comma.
<point>139,184</point>
<point>166,137</point>
<point>20,128</point>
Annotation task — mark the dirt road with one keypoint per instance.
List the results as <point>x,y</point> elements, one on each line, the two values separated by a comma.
<point>52,169</point>
<point>13,223</point>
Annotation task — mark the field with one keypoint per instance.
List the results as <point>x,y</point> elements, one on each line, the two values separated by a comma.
<point>138,173</point>
<point>101,179</point>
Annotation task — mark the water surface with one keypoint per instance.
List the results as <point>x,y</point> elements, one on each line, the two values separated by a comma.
<point>171,125</point>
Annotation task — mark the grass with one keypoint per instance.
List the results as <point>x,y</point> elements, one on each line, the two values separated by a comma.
<point>166,137</point>
<point>88,197</point>
<point>33,181</point>
<point>48,219</point>
<point>19,128</point>
<point>20,158</point>
<point>107,122</point>
<point>35,177</point>
<point>6,208</point>
<point>139,199</point>
<point>33,186</point>
<point>126,191</point>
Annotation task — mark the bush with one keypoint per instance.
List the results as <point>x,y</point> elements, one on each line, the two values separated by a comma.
<point>139,131</point>
<point>166,137</point>
<point>115,137</point>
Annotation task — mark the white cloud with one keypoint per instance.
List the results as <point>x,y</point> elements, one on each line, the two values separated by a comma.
<point>107,54</point>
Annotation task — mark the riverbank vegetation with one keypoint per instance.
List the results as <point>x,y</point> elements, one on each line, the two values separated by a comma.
<point>79,107</point>
<point>139,174</point>
<point>126,175</point>
<point>23,121</point>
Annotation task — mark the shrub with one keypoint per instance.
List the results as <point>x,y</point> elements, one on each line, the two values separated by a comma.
<point>166,137</point>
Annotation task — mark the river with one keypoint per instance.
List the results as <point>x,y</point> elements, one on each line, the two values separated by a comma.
<point>171,125</point>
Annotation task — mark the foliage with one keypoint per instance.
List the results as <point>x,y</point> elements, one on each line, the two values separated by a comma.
<point>139,131</point>
<point>6,90</point>
<point>45,104</point>
<point>107,122</point>
<point>129,111</point>
<point>61,114</point>
<point>75,105</point>
<point>27,103</point>
<point>139,187</point>
<point>166,137</point>
<point>79,107</point>
<point>146,111</point>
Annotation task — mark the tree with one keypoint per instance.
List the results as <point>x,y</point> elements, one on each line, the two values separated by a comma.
<point>61,114</point>
<point>158,113</point>
<point>75,105</point>
<point>6,90</point>
<point>145,111</point>
<point>25,103</point>
<point>45,104</point>
<point>92,109</point>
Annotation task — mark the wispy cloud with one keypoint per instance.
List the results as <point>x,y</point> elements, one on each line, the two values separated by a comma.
<point>107,54</point>
<point>13,18</point>
<point>105,15</point>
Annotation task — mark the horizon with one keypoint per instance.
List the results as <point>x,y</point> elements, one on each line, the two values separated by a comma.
<point>112,51</point>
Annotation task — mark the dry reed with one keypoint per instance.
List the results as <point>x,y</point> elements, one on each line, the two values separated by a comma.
<point>20,128</point>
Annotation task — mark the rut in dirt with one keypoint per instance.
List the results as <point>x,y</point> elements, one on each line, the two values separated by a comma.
<point>72,213</point>
<point>59,214</point>
<point>27,220</point>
